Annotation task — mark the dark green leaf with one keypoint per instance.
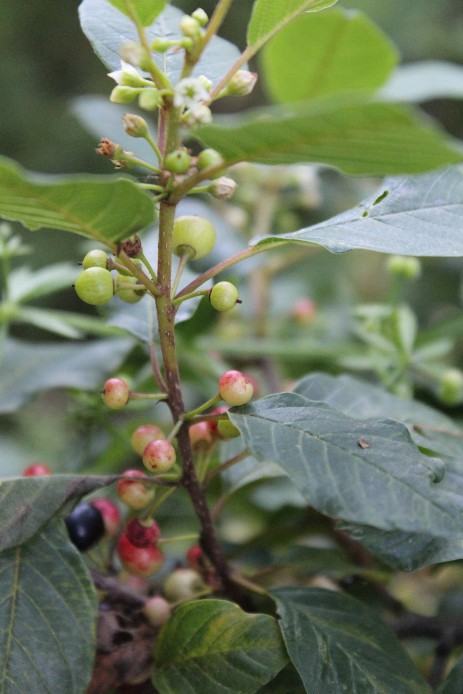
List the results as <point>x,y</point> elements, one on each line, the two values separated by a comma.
<point>353,136</point>
<point>366,472</point>
<point>143,11</point>
<point>104,209</point>
<point>27,504</point>
<point>340,51</point>
<point>338,645</point>
<point>27,369</point>
<point>108,30</point>
<point>270,16</point>
<point>286,682</point>
<point>47,617</point>
<point>213,647</point>
<point>419,215</point>
<point>453,684</point>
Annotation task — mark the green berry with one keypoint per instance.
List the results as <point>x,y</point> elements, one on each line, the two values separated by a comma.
<point>178,161</point>
<point>223,296</point>
<point>235,388</point>
<point>125,293</point>
<point>404,266</point>
<point>183,584</point>
<point>95,286</point>
<point>95,258</point>
<point>209,157</point>
<point>451,387</point>
<point>227,429</point>
<point>126,272</point>
<point>193,235</point>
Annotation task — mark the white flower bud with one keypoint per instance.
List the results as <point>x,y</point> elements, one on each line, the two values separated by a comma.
<point>134,125</point>
<point>223,188</point>
<point>123,95</point>
<point>241,84</point>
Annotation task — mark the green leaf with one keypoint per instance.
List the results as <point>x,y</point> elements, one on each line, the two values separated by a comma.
<point>343,132</point>
<point>420,215</point>
<point>108,30</point>
<point>287,681</point>
<point>453,684</point>
<point>270,16</point>
<point>213,647</point>
<point>26,284</point>
<point>30,368</point>
<point>365,472</point>
<point>338,51</point>
<point>338,645</point>
<point>424,80</point>
<point>47,616</point>
<point>71,325</point>
<point>104,209</point>
<point>144,12</point>
<point>29,503</point>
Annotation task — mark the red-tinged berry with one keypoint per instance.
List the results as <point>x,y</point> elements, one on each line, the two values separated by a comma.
<point>235,388</point>
<point>157,610</point>
<point>95,286</point>
<point>140,561</point>
<point>223,296</point>
<point>214,425</point>
<point>178,161</point>
<point>36,470</point>
<point>304,311</point>
<point>85,526</point>
<point>159,456</point>
<point>142,533</point>
<point>226,429</point>
<point>115,393</point>
<point>143,435</point>
<point>133,492</point>
<point>201,435</point>
<point>111,515</point>
<point>193,235</point>
<point>195,557</point>
<point>183,584</point>
<point>95,258</point>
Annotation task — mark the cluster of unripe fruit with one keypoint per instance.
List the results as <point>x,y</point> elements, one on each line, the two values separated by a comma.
<point>96,285</point>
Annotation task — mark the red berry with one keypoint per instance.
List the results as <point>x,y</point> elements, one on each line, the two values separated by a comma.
<point>200,435</point>
<point>141,534</point>
<point>194,556</point>
<point>111,515</point>
<point>235,388</point>
<point>157,610</point>
<point>133,492</point>
<point>36,470</point>
<point>159,456</point>
<point>140,561</point>
<point>115,393</point>
<point>143,435</point>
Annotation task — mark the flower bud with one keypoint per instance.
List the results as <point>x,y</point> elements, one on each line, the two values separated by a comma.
<point>200,16</point>
<point>223,188</point>
<point>134,125</point>
<point>131,52</point>
<point>197,115</point>
<point>161,45</point>
<point>127,76</point>
<point>149,99</point>
<point>241,84</point>
<point>190,27</point>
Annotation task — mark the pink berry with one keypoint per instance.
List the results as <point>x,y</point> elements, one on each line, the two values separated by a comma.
<point>140,561</point>
<point>200,435</point>
<point>133,492</point>
<point>304,311</point>
<point>235,388</point>
<point>157,610</point>
<point>115,393</point>
<point>143,435</point>
<point>159,456</point>
<point>142,533</point>
<point>36,470</point>
<point>195,556</point>
<point>111,515</point>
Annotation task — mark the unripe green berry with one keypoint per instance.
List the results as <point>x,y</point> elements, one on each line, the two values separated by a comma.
<point>95,286</point>
<point>177,161</point>
<point>143,435</point>
<point>451,387</point>
<point>95,258</point>
<point>183,584</point>
<point>235,388</point>
<point>209,157</point>
<point>126,272</point>
<point>223,296</point>
<point>130,296</point>
<point>193,235</point>
<point>115,393</point>
<point>159,456</point>
<point>404,266</point>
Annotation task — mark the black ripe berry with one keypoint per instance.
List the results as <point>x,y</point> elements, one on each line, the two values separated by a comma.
<point>85,526</point>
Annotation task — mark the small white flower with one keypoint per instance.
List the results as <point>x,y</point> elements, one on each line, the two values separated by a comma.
<point>127,76</point>
<point>197,115</point>
<point>189,93</point>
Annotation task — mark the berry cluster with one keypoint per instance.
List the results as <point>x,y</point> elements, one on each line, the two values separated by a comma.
<point>96,285</point>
